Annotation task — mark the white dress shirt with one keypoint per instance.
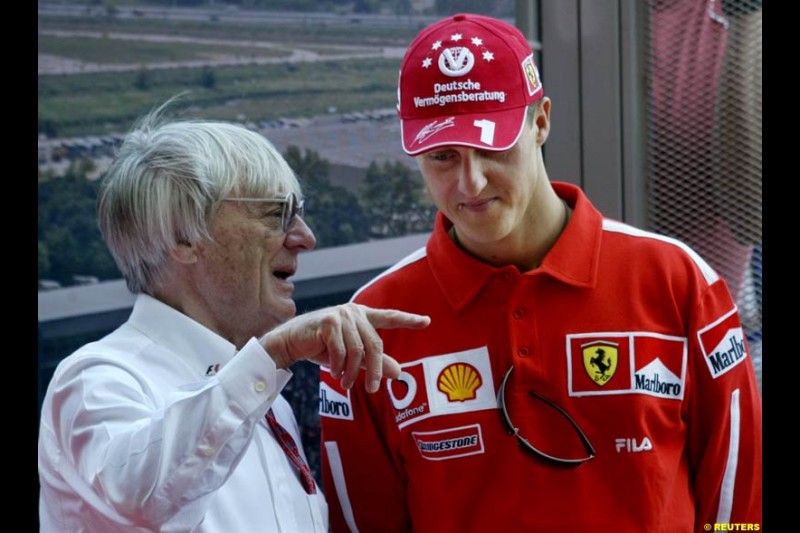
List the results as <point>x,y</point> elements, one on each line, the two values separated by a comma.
<point>158,427</point>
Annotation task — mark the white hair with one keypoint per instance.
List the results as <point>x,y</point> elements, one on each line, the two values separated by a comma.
<point>167,181</point>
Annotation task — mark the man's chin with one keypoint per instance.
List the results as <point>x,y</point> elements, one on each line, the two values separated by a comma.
<point>286,312</point>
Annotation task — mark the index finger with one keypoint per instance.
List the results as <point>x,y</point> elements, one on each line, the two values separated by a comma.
<point>393,318</point>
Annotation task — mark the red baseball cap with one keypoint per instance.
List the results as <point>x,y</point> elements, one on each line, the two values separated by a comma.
<point>466,80</point>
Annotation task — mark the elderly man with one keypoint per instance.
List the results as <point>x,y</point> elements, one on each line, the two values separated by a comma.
<point>175,422</point>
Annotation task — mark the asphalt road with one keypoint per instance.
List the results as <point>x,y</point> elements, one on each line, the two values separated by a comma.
<point>250,16</point>
<point>55,65</point>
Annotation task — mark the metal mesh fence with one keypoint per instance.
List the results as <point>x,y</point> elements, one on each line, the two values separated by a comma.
<point>703,150</point>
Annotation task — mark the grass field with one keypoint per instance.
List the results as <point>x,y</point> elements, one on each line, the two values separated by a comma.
<point>105,50</point>
<point>106,102</point>
<point>308,33</point>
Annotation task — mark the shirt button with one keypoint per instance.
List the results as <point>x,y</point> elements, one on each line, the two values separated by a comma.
<point>260,386</point>
<point>519,312</point>
<point>207,451</point>
<point>523,352</point>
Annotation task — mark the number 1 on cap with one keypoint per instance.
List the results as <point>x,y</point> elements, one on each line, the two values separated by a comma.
<point>487,130</point>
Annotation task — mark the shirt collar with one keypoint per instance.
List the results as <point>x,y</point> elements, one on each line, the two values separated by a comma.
<point>573,259</point>
<point>200,347</point>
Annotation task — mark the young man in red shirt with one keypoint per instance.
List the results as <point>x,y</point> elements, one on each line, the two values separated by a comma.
<point>579,374</point>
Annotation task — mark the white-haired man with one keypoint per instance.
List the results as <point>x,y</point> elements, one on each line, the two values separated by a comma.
<point>175,422</point>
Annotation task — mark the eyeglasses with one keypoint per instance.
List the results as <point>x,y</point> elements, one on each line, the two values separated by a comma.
<point>291,208</point>
<point>525,443</point>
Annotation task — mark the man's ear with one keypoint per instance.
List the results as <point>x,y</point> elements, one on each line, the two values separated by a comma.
<point>184,253</point>
<point>542,120</point>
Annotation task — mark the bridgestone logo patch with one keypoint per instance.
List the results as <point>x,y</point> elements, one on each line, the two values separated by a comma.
<point>449,443</point>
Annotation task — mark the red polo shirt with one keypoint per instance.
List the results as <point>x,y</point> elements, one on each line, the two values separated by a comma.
<point>633,334</point>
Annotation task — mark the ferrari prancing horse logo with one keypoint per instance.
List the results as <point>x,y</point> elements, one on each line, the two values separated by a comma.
<point>600,360</point>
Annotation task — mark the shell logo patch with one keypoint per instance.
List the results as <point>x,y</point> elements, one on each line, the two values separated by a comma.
<point>626,363</point>
<point>600,360</point>
<point>440,385</point>
<point>459,382</point>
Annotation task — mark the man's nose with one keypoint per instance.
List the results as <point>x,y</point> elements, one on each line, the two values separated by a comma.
<point>471,179</point>
<point>300,236</point>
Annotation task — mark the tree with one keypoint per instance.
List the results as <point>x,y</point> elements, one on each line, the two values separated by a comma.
<point>332,212</point>
<point>496,8</point>
<point>62,247</point>
<point>366,6</point>
<point>70,242</point>
<point>393,203</point>
<point>48,126</point>
<point>143,80</point>
<point>111,9</point>
<point>308,165</point>
<point>208,78</point>
<point>44,261</point>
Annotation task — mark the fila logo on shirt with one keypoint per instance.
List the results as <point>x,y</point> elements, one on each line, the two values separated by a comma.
<point>626,363</point>
<point>441,385</point>
<point>632,445</point>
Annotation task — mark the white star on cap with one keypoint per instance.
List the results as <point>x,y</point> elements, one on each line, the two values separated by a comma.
<point>437,45</point>
<point>456,37</point>
<point>488,56</point>
<point>477,41</point>
<point>426,62</point>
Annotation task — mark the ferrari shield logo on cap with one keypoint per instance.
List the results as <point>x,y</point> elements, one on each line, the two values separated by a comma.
<point>600,360</point>
<point>531,74</point>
